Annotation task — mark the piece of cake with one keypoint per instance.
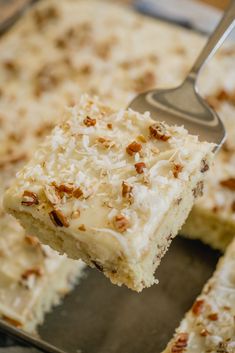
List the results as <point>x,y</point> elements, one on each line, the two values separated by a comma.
<point>112,188</point>
<point>33,277</point>
<point>69,54</point>
<point>209,325</point>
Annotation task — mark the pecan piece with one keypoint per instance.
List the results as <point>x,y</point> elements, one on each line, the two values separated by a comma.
<point>213,317</point>
<point>140,167</point>
<point>180,344</point>
<point>109,126</point>
<point>64,188</point>
<point>89,121</point>
<point>133,148</point>
<point>177,169</point>
<point>204,332</point>
<point>233,206</point>
<point>77,193</point>
<point>121,223</point>
<point>32,271</point>
<point>159,132</point>
<point>29,198</point>
<point>58,218</point>
<point>228,183</point>
<point>198,307</point>
<point>82,228</point>
<point>126,190</point>
<point>204,166</point>
<point>198,190</point>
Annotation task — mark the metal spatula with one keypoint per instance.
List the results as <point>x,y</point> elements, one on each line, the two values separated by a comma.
<point>184,105</point>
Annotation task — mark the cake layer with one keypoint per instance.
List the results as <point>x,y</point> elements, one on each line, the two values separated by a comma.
<point>209,325</point>
<point>112,188</point>
<point>66,55</point>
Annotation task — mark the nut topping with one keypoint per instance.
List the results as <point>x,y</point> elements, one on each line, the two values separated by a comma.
<point>228,183</point>
<point>77,193</point>
<point>177,169</point>
<point>82,228</point>
<point>198,307</point>
<point>140,167</point>
<point>126,190</point>
<point>133,148</point>
<point>159,132</point>
<point>180,344</point>
<point>32,271</point>
<point>58,218</point>
<point>29,198</point>
<point>204,166</point>
<point>198,190</point>
<point>121,223</point>
<point>89,121</point>
<point>213,317</point>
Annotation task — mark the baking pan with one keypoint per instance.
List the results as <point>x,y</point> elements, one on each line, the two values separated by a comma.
<point>98,317</point>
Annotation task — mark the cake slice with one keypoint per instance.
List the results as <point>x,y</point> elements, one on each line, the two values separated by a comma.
<point>33,277</point>
<point>209,325</point>
<point>112,188</point>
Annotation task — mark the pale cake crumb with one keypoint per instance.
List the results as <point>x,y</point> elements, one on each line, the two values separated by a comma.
<point>149,194</point>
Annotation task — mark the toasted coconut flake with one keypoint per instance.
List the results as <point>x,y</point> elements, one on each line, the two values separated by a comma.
<point>204,166</point>
<point>29,198</point>
<point>12,321</point>
<point>31,240</point>
<point>58,218</point>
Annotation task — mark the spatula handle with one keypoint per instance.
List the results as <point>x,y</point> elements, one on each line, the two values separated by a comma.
<point>215,40</point>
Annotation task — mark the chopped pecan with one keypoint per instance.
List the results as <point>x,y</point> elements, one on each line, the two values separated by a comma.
<point>198,307</point>
<point>228,183</point>
<point>198,190</point>
<point>177,169</point>
<point>82,228</point>
<point>29,198</point>
<point>180,343</point>
<point>89,121</point>
<point>58,218</point>
<point>109,126</point>
<point>140,167</point>
<point>105,142</point>
<point>133,148</point>
<point>64,188</point>
<point>121,223</point>
<point>77,193</point>
<point>159,132</point>
<point>37,272</point>
<point>213,317</point>
<point>127,190</point>
<point>204,332</point>
<point>204,166</point>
